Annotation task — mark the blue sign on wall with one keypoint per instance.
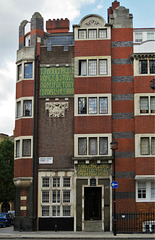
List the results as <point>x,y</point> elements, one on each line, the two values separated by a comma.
<point>114,184</point>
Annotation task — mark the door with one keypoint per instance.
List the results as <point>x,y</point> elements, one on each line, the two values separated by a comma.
<point>92,203</point>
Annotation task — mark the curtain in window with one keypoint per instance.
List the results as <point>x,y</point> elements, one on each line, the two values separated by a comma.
<point>102,33</point>
<point>92,146</point>
<point>103,105</point>
<point>92,105</point>
<point>144,105</point>
<point>82,34</point>
<point>102,66</point>
<point>83,68</point>
<point>82,146</point>
<point>82,105</point>
<point>18,109</point>
<point>26,149</point>
<point>18,148</point>
<point>153,145</point>
<point>92,33</point>
<point>145,146</point>
<point>103,145</point>
<point>27,108</point>
<point>152,189</point>
<point>92,65</point>
<point>152,104</point>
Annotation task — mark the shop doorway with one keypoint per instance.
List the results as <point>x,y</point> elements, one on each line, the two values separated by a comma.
<point>92,203</point>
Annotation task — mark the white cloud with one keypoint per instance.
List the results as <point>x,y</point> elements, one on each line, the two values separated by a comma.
<point>7,97</point>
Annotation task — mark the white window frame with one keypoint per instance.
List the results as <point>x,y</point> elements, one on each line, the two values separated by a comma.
<point>138,145</point>
<point>137,104</point>
<point>78,72</point>
<point>21,147</point>
<point>147,179</point>
<point>87,96</point>
<point>106,36</point>
<point>21,100</point>
<point>22,63</point>
<point>87,136</point>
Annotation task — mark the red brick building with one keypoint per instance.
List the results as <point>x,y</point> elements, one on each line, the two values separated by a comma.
<point>75,93</point>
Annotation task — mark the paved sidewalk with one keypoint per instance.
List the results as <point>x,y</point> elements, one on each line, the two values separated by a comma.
<point>9,233</point>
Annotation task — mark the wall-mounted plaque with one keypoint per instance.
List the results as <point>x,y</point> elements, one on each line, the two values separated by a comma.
<point>46,160</point>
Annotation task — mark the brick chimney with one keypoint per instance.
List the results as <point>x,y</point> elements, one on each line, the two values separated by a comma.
<point>57,26</point>
<point>115,4</point>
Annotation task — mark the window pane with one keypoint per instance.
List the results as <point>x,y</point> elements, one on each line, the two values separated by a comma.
<point>138,37</point>
<point>28,70</point>
<point>92,33</point>
<point>18,109</point>
<point>56,181</point>
<point>141,190</point>
<point>45,211</point>
<point>153,145</point>
<point>82,34</point>
<point>152,66</point>
<point>152,189</point>
<point>66,210</point>
<point>55,210</point>
<point>45,182</point>
<point>143,66</point>
<point>102,33</point>
<point>28,41</point>
<point>92,105</point>
<point>152,104</point>
<point>103,105</point>
<point>66,182</point>
<point>144,105</point>
<point>145,146</point>
<point>82,67</point>
<point>102,66</point>
<point>82,105</point>
<point>150,36</point>
<point>56,196</point>
<point>92,146</point>
<point>82,146</point>
<point>45,196</point>
<point>20,72</point>
<point>18,148</point>
<point>27,108</point>
<point>103,145</point>
<point>92,65</point>
<point>66,196</point>
<point>26,149</point>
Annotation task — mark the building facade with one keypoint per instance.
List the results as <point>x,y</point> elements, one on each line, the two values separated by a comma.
<point>75,93</point>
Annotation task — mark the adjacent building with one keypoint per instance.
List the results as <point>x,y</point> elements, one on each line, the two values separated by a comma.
<point>75,93</point>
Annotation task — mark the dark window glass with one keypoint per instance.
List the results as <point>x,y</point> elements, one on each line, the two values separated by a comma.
<point>143,66</point>
<point>152,66</point>
<point>82,105</point>
<point>82,146</point>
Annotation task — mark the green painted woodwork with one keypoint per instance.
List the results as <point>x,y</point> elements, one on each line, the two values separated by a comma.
<point>56,81</point>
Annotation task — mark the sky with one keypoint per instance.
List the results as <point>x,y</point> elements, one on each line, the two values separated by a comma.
<point>13,12</point>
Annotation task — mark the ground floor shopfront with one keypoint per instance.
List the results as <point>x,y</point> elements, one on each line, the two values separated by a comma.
<point>78,199</point>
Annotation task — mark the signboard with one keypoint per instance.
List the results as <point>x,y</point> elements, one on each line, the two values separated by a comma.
<point>56,81</point>
<point>93,170</point>
<point>114,184</point>
<point>46,160</point>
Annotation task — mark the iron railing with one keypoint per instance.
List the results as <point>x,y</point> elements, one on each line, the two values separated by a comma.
<point>135,222</point>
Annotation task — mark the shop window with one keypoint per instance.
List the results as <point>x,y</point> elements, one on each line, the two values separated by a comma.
<point>26,147</point>
<point>27,70</point>
<point>27,108</point>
